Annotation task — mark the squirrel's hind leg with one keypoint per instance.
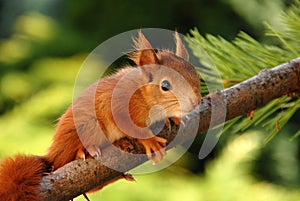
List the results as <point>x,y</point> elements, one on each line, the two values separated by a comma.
<point>93,151</point>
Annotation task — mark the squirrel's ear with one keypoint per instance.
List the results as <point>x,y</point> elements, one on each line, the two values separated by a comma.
<point>146,57</point>
<point>180,49</point>
<point>144,53</point>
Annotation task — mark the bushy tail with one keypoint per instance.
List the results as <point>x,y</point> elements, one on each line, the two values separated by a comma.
<point>20,177</point>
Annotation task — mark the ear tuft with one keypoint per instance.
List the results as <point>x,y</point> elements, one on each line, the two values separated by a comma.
<point>180,49</point>
<point>141,42</point>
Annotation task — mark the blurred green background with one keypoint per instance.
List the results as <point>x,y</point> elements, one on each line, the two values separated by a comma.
<point>42,46</point>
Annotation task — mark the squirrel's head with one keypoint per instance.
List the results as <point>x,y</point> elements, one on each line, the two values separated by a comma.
<point>172,82</point>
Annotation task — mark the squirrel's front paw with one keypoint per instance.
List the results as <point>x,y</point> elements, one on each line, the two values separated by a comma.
<point>176,121</point>
<point>154,145</point>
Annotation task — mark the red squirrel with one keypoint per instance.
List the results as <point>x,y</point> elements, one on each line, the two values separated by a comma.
<point>20,176</point>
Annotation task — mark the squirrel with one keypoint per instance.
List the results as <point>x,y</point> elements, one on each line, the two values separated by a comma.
<point>161,78</point>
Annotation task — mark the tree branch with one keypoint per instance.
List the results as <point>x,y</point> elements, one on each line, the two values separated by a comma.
<point>81,176</point>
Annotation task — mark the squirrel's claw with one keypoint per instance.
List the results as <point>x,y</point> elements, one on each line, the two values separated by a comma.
<point>94,151</point>
<point>155,145</point>
<point>177,120</point>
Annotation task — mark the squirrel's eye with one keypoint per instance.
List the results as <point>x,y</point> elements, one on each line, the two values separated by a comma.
<point>165,85</point>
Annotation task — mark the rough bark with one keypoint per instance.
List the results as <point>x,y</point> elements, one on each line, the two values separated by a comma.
<point>81,176</point>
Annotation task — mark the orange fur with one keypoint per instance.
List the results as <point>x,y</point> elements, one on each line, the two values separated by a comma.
<point>20,177</point>
<point>89,121</point>
<point>65,142</point>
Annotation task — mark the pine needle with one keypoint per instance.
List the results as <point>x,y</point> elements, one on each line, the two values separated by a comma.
<point>245,57</point>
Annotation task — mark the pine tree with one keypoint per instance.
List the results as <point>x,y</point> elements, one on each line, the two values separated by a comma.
<point>245,57</point>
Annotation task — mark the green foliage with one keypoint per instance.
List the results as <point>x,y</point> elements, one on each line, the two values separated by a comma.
<point>244,57</point>
<point>263,10</point>
<point>288,34</point>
